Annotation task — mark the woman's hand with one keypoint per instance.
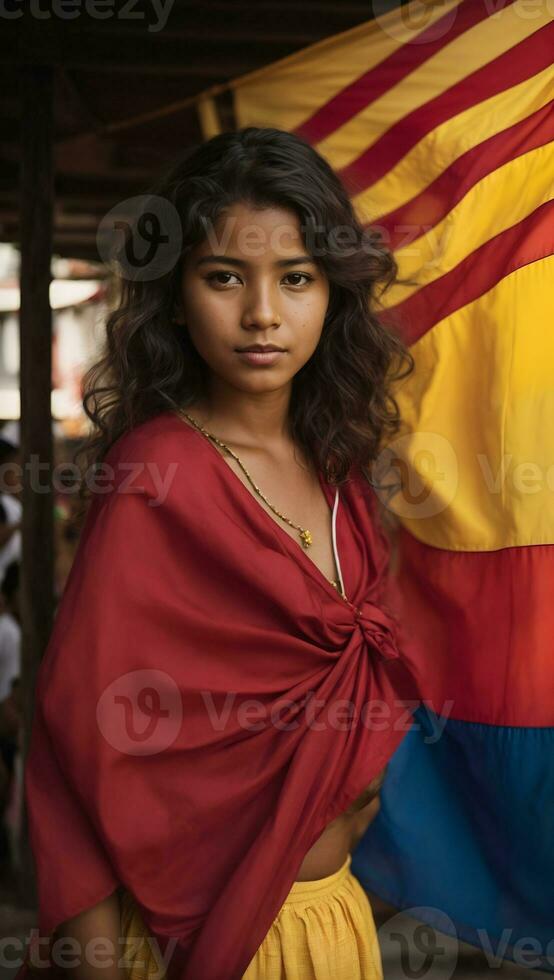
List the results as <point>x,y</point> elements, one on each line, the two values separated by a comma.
<point>96,935</point>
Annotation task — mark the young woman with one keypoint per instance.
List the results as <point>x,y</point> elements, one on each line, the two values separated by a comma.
<point>226,680</point>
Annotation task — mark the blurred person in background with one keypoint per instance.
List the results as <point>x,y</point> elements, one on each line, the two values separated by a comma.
<point>67,524</point>
<point>10,702</point>
<point>11,509</point>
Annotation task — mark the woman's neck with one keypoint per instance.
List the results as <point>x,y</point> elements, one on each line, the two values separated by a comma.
<point>250,420</point>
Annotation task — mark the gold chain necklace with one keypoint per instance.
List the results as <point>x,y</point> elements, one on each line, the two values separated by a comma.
<point>305,535</point>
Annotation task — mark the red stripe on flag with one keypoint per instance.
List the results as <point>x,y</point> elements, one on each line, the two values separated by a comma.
<point>370,86</point>
<point>521,62</point>
<point>427,209</point>
<point>528,241</point>
<point>460,607</point>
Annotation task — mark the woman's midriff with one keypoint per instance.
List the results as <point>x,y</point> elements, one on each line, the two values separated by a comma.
<point>333,846</point>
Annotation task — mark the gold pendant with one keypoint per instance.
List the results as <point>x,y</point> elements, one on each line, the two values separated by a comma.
<point>306,538</point>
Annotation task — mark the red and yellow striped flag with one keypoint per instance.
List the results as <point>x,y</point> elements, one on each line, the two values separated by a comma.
<point>439,119</point>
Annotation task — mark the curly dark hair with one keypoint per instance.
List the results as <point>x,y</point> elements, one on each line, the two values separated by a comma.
<point>341,407</point>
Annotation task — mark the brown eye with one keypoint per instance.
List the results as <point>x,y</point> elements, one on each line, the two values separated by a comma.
<point>216,277</point>
<point>299,275</point>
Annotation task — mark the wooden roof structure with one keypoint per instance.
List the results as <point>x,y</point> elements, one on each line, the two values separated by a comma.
<point>125,90</point>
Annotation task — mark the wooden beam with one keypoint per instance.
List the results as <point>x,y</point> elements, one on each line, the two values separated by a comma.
<point>86,223</point>
<point>93,205</point>
<point>77,251</point>
<point>86,47</point>
<point>91,156</point>
<point>10,108</point>
<point>227,34</point>
<point>37,572</point>
<point>110,186</point>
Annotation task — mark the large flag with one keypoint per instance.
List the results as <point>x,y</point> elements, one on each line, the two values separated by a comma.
<point>439,118</point>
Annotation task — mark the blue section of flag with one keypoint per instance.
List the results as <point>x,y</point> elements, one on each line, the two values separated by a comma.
<point>466,827</point>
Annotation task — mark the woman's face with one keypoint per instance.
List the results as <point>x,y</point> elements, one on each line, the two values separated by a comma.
<point>251,281</point>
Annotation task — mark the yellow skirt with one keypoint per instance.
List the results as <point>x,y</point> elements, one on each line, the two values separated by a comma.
<point>324,931</point>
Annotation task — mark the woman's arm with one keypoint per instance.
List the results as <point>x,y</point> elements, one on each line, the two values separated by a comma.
<point>97,941</point>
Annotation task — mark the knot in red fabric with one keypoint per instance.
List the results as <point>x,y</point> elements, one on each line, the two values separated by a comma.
<point>379,628</point>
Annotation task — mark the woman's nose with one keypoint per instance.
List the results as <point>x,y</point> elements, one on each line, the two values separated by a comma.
<point>260,310</point>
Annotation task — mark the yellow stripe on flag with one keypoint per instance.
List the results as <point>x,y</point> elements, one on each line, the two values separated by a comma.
<point>497,202</point>
<point>451,64</point>
<point>445,144</point>
<point>297,86</point>
<point>479,447</point>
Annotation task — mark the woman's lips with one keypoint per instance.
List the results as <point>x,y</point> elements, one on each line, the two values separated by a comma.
<point>260,357</point>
